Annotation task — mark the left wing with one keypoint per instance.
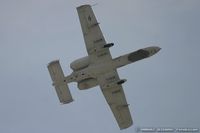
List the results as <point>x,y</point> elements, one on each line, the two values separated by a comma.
<point>115,98</point>
<point>93,37</point>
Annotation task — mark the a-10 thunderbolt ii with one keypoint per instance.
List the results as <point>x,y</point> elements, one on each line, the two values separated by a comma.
<point>98,68</point>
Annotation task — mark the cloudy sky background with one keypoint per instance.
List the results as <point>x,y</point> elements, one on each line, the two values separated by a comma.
<point>163,91</point>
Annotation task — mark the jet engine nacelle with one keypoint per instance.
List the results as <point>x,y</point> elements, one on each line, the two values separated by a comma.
<point>80,63</point>
<point>87,83</point>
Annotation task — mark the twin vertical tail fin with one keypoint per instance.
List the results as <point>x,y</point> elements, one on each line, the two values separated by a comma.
<point>59,83</point>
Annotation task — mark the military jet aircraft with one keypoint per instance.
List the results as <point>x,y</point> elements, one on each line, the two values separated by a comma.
<point>98,68</point>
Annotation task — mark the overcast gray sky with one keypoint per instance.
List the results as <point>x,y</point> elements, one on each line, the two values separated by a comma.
<point>163,91</point>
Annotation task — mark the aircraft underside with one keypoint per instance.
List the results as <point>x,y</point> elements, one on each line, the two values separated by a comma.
<point>98,69</point>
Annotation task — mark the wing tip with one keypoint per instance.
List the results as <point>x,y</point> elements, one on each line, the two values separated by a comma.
<point>126,125</point>
<point>53,62</point>
<point>83,6</point>
<point>66,102</point>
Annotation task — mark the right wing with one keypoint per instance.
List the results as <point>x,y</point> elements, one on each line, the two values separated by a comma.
<point>93,37</point>
<point>115,98</point>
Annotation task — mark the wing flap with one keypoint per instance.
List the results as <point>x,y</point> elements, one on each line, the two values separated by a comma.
<point>61,87</point>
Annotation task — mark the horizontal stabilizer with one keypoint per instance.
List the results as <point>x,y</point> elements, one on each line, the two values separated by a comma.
<point>60,85</point>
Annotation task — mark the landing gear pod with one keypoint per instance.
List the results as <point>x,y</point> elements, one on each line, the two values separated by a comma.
<point>60,85</point>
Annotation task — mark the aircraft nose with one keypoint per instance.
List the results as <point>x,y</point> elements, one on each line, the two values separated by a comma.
<point>157,49</point>
<point>153,50</point>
